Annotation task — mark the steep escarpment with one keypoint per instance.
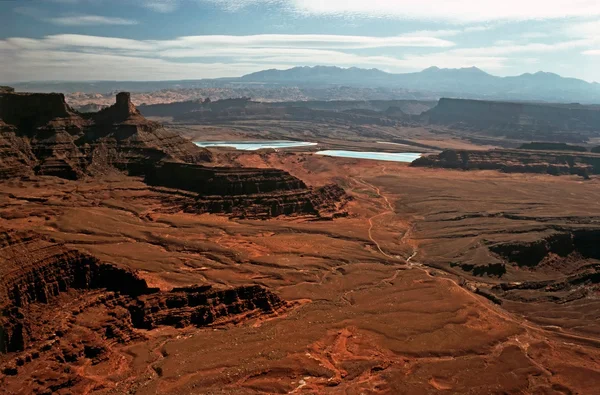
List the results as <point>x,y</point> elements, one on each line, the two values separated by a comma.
<point>244,109</point>
<point>61,142</point>
<point>579,242</point>
<point>202,306</point>
<point>35,271</point>
<point>60,308</point>
<point>549,122</point>
<point>41,134</point>
<point>16,157</point>
<point>515,161</point>
<point>245,192</point>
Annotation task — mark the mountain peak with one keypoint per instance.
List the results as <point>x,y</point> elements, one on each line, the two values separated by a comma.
<point>472,70</point>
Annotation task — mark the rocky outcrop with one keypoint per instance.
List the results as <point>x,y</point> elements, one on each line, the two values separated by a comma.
<point>34,271</point>
<point>16,157</point>
<point>243,109</point>
<point>583,242</point>
<point>41,134</point>
<point>515,161</point>
<point>549,122</point>
<point>202,306</point>
<point>60,308</point>
<point>245,192</point>
<point>223,181</point>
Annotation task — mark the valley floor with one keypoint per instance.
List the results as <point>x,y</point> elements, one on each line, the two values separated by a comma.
<point>378,300</point>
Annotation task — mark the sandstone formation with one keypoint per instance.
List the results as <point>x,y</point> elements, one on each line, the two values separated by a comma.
<point>515,161</point>
<point>547,122</point>
<point>41,134</point>
<point>245,192</point>
<point>202,306</point>
<point>60,308</point>
<point>243,108</point>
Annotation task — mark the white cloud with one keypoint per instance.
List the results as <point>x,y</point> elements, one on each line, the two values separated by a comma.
<point>86,20</point>
<point>592,52</point>
<point>588,29</point>
<point>94,57</point>
<point>507,48</point>
<point>194,44</point>
<point>461,11</point>
<point>531,35</point>
<point>51,65</point>
<point>315,41</point>
<point>163,6</point>
<point>222,56</point>
<point>72,19</point>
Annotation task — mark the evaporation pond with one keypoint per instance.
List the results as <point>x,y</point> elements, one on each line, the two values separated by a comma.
<point>387,156</point>
<point>254,145</point>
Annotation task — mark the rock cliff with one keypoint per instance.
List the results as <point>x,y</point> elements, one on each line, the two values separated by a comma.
<point>515,161</point>
<point>549,122</point>
<point>41,134</point>
<point>244,192</point>
<point>60,308</point>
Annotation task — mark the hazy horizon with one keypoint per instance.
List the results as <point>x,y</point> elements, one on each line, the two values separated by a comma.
<point>135,40</point>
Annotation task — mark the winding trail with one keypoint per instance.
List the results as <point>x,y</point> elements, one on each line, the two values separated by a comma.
<point>492,309</point>
<point>390,210</point>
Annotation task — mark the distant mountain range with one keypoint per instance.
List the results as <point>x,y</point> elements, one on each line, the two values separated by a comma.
<point>466,82</point>
<point>434,82</point>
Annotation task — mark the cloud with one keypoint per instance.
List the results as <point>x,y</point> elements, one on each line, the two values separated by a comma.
<point>51,65</point>
<point>504,48</point>
<point>261,41</point>
<point>592,52</point>
<point>531,35</point>
<point>72,19</point>
<point>163,6</point>
<point>94,57</point>
<point>313,41</point>
<point>88,20</point>
<point>588,29</point>
<point>460,11</point>
<point>224,55</point>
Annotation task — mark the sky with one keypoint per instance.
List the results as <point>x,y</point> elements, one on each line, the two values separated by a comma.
<point>87,40</point>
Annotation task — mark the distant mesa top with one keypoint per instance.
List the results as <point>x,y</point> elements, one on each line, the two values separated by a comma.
<point>40,134</point>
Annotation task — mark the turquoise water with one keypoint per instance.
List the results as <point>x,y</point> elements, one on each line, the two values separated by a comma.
<point>391,157</point>
<point>254,145</point>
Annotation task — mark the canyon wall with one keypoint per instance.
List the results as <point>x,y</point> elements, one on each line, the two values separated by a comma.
<point>244,192</point>
<point>60,308</point>
<point>40,134</point>
<point>547,122</point>
<point>515,161</point>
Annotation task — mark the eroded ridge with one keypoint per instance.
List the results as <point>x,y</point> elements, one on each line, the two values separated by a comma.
<point>40,134</point>
<point>516,161</point>
<point>245,192</point>
<point>62,311</point>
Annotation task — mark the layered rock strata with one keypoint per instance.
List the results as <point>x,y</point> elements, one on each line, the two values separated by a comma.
<point>515,161</point>
<point>245,192</point>
<point>60,307</point>
<point>41,134</point>
<point>549,122</point>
